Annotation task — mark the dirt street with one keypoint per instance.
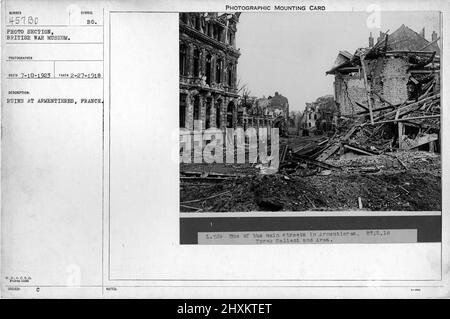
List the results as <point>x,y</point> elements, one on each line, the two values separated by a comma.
<point>398,181</point>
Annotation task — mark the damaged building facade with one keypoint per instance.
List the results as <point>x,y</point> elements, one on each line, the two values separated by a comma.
<point>208,65</point>
<point>319,115</point>
<point>272,111</point>
<point>399,75</point>
<point>279,105</point>
<point>266,110</point>
<point>256,113</point>
<point>394,76</point>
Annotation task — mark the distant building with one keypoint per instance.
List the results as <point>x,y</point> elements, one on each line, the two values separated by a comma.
<point>320,115</point>
<point>279,104</point>
<point>310,116</point>
<point>258,114</point>
<point>263,111</point>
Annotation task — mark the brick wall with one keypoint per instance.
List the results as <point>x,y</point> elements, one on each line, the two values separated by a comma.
<point>348,90</point>
<point>387,77</point>
<point>394,78</point>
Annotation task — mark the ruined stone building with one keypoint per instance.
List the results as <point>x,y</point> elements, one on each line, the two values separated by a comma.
<point>279,105</point>
<point>257,114</point>
<point>396,84</point>
<point>309,116</point>
<point>399,67</point>
<point>262,112</point>
<point>320,114</point>
<point>208,64</point>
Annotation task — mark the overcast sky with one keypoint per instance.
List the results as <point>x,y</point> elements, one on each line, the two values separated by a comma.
<point>290,52</point>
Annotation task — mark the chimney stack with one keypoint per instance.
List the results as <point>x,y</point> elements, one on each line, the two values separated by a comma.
<point>370,40</point>
<point>434,36</point>
<point>422,33</point>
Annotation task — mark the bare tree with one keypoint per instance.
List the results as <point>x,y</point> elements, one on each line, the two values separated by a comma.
<point>244,91</point>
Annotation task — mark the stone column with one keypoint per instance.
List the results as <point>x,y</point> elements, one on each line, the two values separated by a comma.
<point>203,62</point>
<point>212,120</point>
<point>226,100</point>
<point>190,60</point>
<point>234,73</point>
<point>189,111</point>
<point>202,102</point>
<point>225,72</point>
<point>186,109</point>
<point>234,112</point>
<point>222,72</point>
<point>213,68</point>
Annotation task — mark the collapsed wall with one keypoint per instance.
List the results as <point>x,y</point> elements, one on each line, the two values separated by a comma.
<point>394,79</point>
<point>388,79</point>
<point>348,90</point>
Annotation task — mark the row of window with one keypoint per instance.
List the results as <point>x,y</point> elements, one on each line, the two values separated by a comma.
<point>219,66</point>
<point>211,29</point>
<point>309,124</point>
<point>208,104</point>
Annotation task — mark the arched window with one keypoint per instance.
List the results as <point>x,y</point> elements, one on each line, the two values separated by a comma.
<point>230,108</point>
<point>208,113</point>
<point>230,38</point>
<point>196,61</point>
<point>183,59</point>
<point>208,69</point>
<point>196,108</point>
<point>182,110</point>
<point>230,75</point>
<point>219,70</point>
<point>218,113</point>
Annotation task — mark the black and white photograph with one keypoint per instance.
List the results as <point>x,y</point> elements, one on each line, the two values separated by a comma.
<point>356,108</point>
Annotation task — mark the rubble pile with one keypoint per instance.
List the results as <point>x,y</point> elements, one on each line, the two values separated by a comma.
<point>382,136</point>
<point>360,137</point>
<point>366,183</point>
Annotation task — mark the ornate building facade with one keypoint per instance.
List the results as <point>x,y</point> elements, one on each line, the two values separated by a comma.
<point>208,64</point>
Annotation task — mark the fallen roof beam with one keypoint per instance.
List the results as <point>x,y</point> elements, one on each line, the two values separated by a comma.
<point>362,106</point>
<point>424,71</point>
<point>413,52</point>
<point>406,119</point>
<point>408,106</point>
<point>431,43</point>
<point>349,69</point>
<point>330,150</point>
<point>408,143</point>
<point>357,149</point>
<point>377,110</point>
